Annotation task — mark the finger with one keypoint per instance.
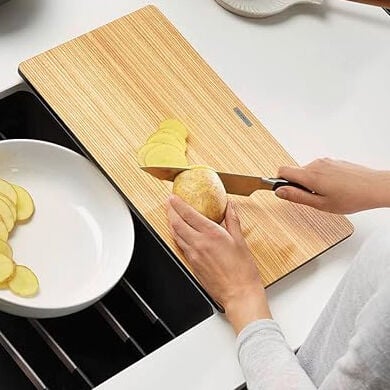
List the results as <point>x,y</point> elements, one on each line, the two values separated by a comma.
<point>300,196</point>
<point>180,227</point>
<point>190,215</point>
<point>180,242</point>
<point>232,221</point>
<point>296,174</point>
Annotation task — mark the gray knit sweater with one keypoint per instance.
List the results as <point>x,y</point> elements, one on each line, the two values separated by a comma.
<point>349,346</point>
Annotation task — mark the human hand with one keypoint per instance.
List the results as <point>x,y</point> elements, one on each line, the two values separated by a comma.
<point>339,187</point>
<point>221,260</point>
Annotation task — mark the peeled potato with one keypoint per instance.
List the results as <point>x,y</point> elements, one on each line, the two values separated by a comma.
<point>7,189</point>
<point>6,215</point>
<point>3,230</point>
<point>143,151</point>
<point>167,138</point>
<point>24,205</point>
<point>6,249</point>
<point>7,268</point>
<point>10,204</point>
<point>176,126</point>
<point>166,155</point>
<point>203,190</point>
<point>24,282</point>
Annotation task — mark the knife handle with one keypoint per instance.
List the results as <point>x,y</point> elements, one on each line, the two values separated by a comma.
<point>279,182</point>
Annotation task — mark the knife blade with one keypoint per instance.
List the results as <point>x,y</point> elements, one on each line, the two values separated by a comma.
<point>234,183</point>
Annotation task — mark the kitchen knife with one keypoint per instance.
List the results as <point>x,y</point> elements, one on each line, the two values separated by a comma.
<point>234,184</point>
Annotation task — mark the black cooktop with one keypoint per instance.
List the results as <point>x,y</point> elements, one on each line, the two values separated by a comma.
<point>154,302</point>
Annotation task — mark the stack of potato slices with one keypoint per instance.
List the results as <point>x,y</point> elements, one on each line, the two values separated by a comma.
<point>166,147</point>
<point>16,206</point>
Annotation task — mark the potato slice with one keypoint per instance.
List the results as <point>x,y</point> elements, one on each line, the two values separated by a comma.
<point>166,155</point>
<point>3,285</point>
<point>6,214</point>
<point>167,138</point>
<point>3,230</point>
<point>10,204</point>
<point>25,205</point>
<point>7,268</point>
<point>143,151</point>
<point>7,189</point>
<point>174,125</point>
<point>24,282</point>
<point>174,133</point>
<point>6,249</point>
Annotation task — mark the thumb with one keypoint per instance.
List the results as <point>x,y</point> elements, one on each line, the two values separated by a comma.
<point>232,221</point>
<point>300,196</point>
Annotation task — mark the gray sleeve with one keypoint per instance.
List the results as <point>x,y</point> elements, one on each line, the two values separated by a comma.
<point>268,363</point>
<point>349,346</point>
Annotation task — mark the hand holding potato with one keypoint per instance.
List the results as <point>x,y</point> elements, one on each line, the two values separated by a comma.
<point>221,260</point>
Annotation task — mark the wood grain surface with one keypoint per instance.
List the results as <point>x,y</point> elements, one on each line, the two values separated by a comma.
<point>113,86</point>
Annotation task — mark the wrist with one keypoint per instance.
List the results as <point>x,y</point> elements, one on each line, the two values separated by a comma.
<point>381,189</point>
<point>247,306</point>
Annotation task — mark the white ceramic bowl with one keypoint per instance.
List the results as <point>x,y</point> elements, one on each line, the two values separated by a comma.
<point>80,239</point>
<point>261,8</point>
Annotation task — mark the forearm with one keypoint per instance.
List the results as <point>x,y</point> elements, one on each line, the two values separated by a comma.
<point>268,363</point>
<point>249,306</point>
<point>380,193</point>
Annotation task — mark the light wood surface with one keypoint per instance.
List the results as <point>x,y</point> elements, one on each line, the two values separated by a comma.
<point>113,86</point>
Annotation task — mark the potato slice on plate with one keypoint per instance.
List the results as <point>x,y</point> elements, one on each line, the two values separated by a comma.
<point>7,268</point>
<point>10,204</point>
<point>7,216</point>
<point>143,151</point>
<point>174,125</point>
<point>166,155</point>
<point>25,205</point>
<point>7,189</point>
<point>167,138</point>
<point>6,249</point>
<point>3,230</point>
<point>24,282</point>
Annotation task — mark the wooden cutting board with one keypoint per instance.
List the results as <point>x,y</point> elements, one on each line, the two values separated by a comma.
<point>113,86</point>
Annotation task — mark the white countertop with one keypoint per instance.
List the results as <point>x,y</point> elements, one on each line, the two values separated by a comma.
<point>317,77</point>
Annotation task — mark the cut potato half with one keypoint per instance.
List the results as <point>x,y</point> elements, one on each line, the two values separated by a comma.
<point>10,204</point>
<point>24,282</point>
<point>166,155</point>
<point>25,205</point>
<point>174,125</point>
<point>7,268</point>
<point>6,215</point>
<point>142,152</point>
<point>167,138</point>
<point>6,249</point>
<point>3,230</point>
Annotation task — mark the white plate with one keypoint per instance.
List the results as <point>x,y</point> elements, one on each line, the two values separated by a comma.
<point>261,8</point>
<point>80,239</point>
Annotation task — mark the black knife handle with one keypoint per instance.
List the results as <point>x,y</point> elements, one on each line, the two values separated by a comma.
<point>279,182</point>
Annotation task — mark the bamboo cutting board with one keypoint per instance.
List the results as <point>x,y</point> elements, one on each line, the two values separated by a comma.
<point>113,86</point>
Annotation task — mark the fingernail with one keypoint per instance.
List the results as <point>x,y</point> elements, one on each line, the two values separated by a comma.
<point>281,193</point>
<point>171,197</point>
<point>231,205</point>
